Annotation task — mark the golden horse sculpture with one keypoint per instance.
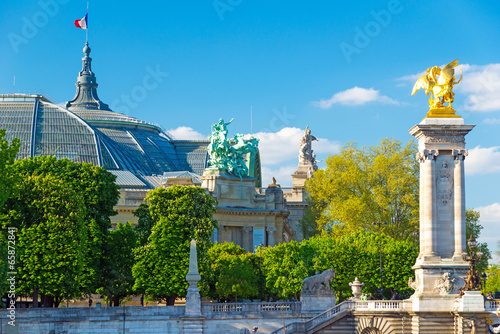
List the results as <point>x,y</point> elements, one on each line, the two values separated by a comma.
<point>440,89</point>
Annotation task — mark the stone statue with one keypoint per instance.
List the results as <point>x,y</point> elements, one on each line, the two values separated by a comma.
<point>226,155</point>
<point>318,284</point>
<point>440,90</point>
<point>306,155</point>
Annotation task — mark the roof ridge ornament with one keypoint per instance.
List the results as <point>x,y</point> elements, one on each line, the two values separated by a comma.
<point>86,87</point>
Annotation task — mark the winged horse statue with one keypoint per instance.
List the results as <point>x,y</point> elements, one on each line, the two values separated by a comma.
<point>440,89</point>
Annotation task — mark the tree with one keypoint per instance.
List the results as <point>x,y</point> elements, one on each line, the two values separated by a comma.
<point>232,273</point>
<point>180,213</point>
<point>144,225</point>
<point>285,266</point>
<point>51,247</point>
<point>99,192</point>
<point>473,227</point>
<point>8,154</point>
<point>118,282</point>
<point>357,255</point>
<point>371,184</point>
<point>493,281</point>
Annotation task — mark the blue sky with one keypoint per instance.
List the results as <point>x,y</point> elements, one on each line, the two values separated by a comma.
<point>202,60</point>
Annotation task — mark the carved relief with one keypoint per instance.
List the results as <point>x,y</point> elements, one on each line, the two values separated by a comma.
<point>445,183</point>
<point>445,139</point>
<point>447,284</point>
<point>460,155</point>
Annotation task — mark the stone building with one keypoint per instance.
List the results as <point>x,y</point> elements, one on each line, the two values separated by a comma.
<point>144,157</point>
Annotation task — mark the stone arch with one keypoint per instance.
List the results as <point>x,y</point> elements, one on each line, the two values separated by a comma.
<point>373,325</point>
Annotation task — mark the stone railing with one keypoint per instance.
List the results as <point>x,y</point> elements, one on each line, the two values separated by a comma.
<point>307,325</point>
<point>492,305</point>
<point>221,308</point>
<point>379,305</point>
<point>347,306</point>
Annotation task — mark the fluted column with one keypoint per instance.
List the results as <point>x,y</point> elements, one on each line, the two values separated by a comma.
<point>428,214</point>
<point>270,235</point>
<point>459,201</point>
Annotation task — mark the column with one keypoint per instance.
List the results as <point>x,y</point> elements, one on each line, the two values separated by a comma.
<point>459,201</point>
<point>247,242</point>
<point>428,211</point>
<point>270,237</point>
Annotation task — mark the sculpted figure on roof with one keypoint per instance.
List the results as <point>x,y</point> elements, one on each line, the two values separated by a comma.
<point>229,155</point>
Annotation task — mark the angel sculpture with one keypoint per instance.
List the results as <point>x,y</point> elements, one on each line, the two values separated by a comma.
<point>440,89</point>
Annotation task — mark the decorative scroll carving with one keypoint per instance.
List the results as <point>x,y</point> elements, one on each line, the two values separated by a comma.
<point>460,155</point>
<point>424,155</point>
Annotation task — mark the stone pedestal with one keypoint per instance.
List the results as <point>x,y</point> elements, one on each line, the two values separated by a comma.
<point>472,301</point>
<point>439,268</point>
<point>313,303</point>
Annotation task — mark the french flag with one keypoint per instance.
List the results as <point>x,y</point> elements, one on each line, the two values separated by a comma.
<point>82,24</point>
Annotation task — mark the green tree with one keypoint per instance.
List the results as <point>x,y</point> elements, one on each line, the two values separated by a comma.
<point>285,266</point>
<point>180,213</point>
<point>357,255</point>
<point>50,247</point>
<point>232,273</point>
<point>473,228</point>
<point>118,282</point>
<point>99,192</point>
<point>493,281</point>
<point>144,225</point>
<point>371,184</point>
<point>8,152</point>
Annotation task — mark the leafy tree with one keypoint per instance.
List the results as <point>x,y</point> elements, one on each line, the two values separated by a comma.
<point>144,225</point>
<point>371,184</point>
<point>285,266</point>
<point>473,227</point>
<point>99,192</point>
<point>119,281</point>
<point>493,281</point>
<point>357,255</point>
<point>232,273</point>
<point>51,257</point>
<point>8,152</point>
<point>180,213</point>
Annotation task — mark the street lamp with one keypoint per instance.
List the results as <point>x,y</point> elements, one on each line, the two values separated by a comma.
<point>473,280</point>
<point>380,253</point>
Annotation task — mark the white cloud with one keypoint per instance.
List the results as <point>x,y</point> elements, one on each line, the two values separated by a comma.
<point>277,147</point>
<point>489,213</point>
<point>481,84</point>
<point>283,175</point>
<point>483,160</point>
<point>355,96</point>
<point>186,133</point>
<point>492,121</point>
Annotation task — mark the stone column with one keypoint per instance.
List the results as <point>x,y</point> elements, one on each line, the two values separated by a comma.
<point>459,175</point>
<point>247,236</point>
<point>428,228</point>
<point>270,236</point>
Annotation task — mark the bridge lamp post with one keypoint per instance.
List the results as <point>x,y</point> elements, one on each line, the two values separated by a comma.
<point>379,225</point>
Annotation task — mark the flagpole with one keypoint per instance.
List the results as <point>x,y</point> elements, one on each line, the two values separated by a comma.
<point>87,30</point>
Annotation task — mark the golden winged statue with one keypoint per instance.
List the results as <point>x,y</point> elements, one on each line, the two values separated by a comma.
<point>440,90</point>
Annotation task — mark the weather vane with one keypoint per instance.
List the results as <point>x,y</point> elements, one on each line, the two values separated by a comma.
<point>440,89</point>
